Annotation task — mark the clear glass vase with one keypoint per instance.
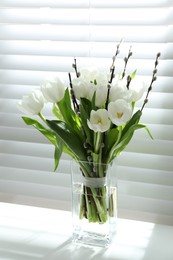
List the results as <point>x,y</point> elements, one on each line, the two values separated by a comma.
<point>94,203</point>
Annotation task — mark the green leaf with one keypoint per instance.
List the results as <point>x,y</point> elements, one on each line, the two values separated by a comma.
<point>94,107</point>
<point>49,134</point>
<point>46,132</point>
<point>85,110</point>
<point>110,138</point>
<point>127,134</point>
<point>134,120</point>
<point>68,114</point>
<point>133,74</point>
<point>58,151</point>
<point>69,137</point>
<point>87,105</point>
<point>148,131</point>
<point>125,140</point>
<point>56,112</point>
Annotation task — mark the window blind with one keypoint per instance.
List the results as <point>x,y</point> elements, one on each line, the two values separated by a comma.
<point>40,39</point>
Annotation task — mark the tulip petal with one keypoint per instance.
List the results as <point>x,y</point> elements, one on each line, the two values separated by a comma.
<point>99,120</point>
<point>119,112</point>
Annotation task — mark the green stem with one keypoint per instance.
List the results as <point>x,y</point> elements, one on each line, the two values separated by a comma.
<point>93,200</point>
<point>100,202</point>
<point>97,156</point>
<point>42,118</point>
<point>97,141</point>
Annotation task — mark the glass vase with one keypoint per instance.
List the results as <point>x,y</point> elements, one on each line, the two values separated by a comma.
<point>94,203</point>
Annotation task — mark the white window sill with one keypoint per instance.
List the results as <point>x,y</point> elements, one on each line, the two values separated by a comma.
<point>32,233</point>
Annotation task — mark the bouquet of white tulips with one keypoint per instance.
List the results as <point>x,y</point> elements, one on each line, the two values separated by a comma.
<point>94,120</point>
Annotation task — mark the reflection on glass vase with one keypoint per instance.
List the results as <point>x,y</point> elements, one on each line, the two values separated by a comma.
<point>94,203</point>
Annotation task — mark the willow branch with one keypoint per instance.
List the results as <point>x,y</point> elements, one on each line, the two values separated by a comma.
<point>126,59</point>
<point>112,70</point>
<point>75,104</point>
<point>74,65</point>
<point>154,78</point>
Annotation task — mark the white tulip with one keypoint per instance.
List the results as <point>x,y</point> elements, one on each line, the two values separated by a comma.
<point>98,82</point>
<point>91,81</point>
<point>32,104</point>
<point>119,90</point>
<point>119,112</point>
<point>100,94</point>
<point>136,90</point>
<point>80,87</point>
<point>53,90</point>
<point>99,121</point>
<point>92,74</point>
<point>82,84</point>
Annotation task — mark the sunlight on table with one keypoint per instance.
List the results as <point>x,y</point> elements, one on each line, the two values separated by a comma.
<point>30,233</point>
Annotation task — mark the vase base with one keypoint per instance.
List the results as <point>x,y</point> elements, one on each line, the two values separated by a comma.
<point>90,238</point>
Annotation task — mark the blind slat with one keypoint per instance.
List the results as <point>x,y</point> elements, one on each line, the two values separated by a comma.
<point>151,34</point>
<point>45,3</point>
<point>131,3</point>
<point>81,49</point>
<point>146,190</point>
<point>82,3</point>
<point>22,62</point>
<point>112,16</point>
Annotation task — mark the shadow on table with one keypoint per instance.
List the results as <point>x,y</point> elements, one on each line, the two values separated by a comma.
<point>70,251</point>
<point>65,251</point>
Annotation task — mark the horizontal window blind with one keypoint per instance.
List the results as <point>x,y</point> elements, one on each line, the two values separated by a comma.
<point>40,39</point>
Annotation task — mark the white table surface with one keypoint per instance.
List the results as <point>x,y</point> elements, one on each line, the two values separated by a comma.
<point>31,233</point>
